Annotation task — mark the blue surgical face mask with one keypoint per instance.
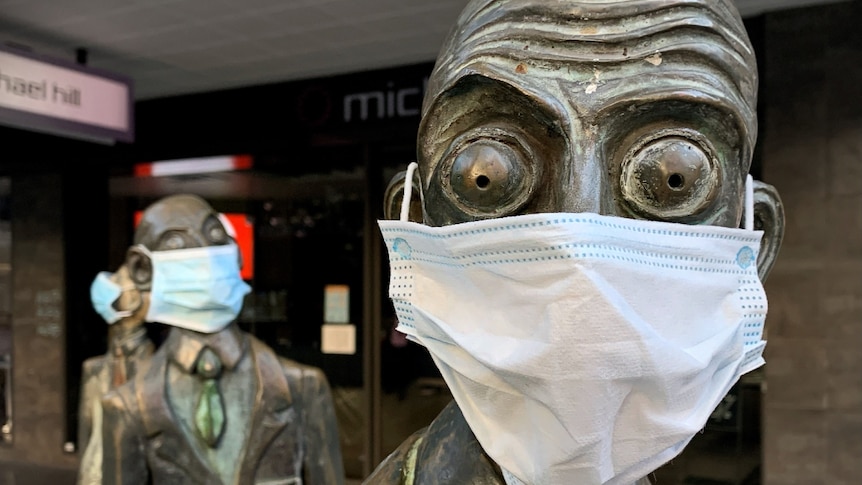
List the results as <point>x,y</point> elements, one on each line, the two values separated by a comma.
<point>103,293</point>
<point>198,289</point>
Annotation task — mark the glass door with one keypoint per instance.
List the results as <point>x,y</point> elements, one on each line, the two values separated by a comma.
<point>303,241</point>
<point>308,296</point>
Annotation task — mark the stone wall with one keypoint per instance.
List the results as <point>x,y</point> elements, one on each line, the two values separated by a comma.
<point>812,153</point>
<point>38,323</point>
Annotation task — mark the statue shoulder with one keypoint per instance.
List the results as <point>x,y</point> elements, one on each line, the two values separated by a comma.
<point>450,445</point>
<point>298,375</point>
<point>446,452</point>
<point>309,380</point>
<point>93,365</point>
<point>297,370</point>
<point>146,386</point>
<point>398,468</point>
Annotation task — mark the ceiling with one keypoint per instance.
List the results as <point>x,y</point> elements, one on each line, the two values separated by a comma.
<point>171,47</point>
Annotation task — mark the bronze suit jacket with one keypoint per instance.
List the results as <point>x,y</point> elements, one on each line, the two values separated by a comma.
<point>97,380</point>
<point>444,453</point>
<point>293,435</point>
<point>97,376</point>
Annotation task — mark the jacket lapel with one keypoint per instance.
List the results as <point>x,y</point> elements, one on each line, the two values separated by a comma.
<point>272,409</point>
<point>164,435</point>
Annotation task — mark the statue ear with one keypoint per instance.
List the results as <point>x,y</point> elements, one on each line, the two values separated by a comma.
<point>769,218</point>
<point>394,196</point>
<point>140,268</point>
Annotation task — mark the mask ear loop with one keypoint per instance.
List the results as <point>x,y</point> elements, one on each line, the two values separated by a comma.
<point>121,314</point>
<point>129,313</point>
<point>408,190</point>
<point>749,203</point>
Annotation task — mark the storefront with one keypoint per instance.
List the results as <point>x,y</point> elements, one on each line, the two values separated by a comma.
<point>300,168</point>
<point>322,152</point>
<point>317,156</point>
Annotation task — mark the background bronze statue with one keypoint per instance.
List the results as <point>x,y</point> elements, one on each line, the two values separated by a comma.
<point>639,109</point>
<point>118,301</point>
<point>216,405</point>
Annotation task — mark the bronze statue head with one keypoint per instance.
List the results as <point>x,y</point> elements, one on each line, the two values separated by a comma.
<point>637,109</point>
<point>632,108</point>
<point>174,222</point>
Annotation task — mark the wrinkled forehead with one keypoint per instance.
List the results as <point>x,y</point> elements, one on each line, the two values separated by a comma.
<point>590,54</point>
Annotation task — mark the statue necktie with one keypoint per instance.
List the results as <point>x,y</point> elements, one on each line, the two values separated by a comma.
<point>209,413</point>
<point>119,374</point>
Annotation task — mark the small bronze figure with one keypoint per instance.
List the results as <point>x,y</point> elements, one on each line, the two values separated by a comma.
<point>116,299</point>
<point>635,116</point>
<point>216,405</point>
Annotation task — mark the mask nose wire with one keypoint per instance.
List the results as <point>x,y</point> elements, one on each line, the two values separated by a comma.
<point>408,190</point>
<point>749,203</point>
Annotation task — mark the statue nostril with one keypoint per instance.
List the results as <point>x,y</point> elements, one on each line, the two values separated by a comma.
<point>482,181</point>
<point>675,181</point>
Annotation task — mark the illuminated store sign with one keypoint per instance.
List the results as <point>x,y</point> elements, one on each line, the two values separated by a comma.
<point>64,98</point>
<point>388,103</point>
<point>371,98</point>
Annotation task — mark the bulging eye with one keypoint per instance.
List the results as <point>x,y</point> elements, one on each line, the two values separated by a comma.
<point>173,240</point>
<point>488,175</point>
<point>671,175</point>
<point>214,231</point>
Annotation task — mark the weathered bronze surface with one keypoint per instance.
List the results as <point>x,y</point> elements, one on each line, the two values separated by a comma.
<point>272,420</point>
<point>129,352</point>
<point>643,109</point>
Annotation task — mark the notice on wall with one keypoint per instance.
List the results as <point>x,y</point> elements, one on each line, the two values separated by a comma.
<point>49,312</point>
<point>64,98</point>
<point>336,304</point>
<point>338,338</point>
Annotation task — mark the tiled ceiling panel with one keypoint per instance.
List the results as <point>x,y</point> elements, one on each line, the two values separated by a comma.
<point>171,47</point>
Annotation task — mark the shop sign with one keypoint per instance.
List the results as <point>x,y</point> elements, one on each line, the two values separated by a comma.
<point>384,103</point>
<point>63,98</point>
<point>378,98</point>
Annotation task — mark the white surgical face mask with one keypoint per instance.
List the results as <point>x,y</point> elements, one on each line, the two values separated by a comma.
<point>103,294</point>
<point>198,289</point>
<point>582,349</point>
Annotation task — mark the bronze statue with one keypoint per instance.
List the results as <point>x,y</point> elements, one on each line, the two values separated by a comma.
<point>545,113</point>
<point>117,300</point>
<point>216,405</point>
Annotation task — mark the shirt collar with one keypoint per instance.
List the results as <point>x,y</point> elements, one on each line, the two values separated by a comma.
<point>130,342</point>
<point>184,346</point>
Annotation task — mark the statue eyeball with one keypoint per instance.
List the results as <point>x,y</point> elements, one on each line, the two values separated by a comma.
<point>488,175</point>
<point>214,231</point>
<point>173,241</point>
<point>670,174</point>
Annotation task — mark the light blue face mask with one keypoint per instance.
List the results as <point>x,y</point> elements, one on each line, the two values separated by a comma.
<point>103,294</point>
<point>198,289</point>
